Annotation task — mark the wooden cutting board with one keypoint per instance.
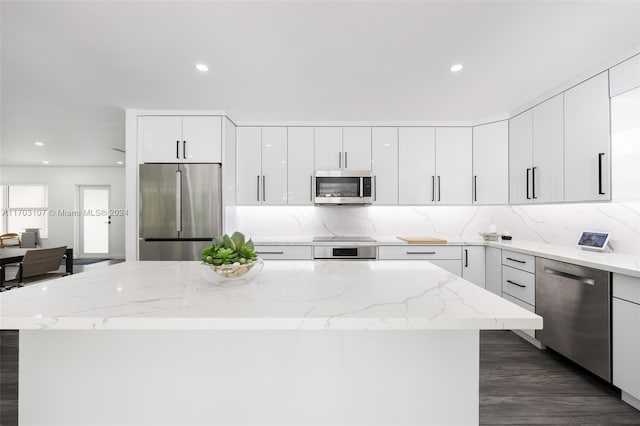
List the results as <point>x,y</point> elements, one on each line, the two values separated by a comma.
<point>423,240</point>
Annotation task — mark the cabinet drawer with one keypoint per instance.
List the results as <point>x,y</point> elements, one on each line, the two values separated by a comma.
<point>419,252</point>
<point>519,284</point>
<point>626,346</point>
<point>525,262</point>
<point>284,252</point>
<point>523,305</point>
<point>626,287</point>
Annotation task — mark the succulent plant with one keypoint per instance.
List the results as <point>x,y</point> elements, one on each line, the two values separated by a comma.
<point>229,249</point>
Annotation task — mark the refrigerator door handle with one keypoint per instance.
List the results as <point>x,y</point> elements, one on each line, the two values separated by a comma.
<point>178,200</point>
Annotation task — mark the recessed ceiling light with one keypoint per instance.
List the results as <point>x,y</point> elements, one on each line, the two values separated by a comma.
<point>39,143</point>
<point>120,162</point>
<point>455,67</point>
<point>45,162</point>
<point>202,67</point>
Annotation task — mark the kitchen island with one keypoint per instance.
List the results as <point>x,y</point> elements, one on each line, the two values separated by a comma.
<point>325,342</point>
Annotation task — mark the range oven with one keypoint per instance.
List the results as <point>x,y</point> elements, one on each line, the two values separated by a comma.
<point>345,248</point>
<point>340,187</point>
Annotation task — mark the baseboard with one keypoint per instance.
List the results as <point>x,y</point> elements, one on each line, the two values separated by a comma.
<point>535,342</point>
<point>630,399</point>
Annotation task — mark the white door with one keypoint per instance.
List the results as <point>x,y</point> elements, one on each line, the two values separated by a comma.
<point>274,165</point>
<point>453,165</point>
<point>300,166</point>
<point>586,140</point>
<point>95,221</point>
<point>202,139</point>
<point>520,157</point>
<point>328,148</point>
<point>473,264</point>
<point>416,165</point>
<point>491,163</point>
<point>493,270</point>
<point>547,173</point>
<point>356,147</point>
<point>161,139</point>
<point>384,165</point>
<point>248,166</point>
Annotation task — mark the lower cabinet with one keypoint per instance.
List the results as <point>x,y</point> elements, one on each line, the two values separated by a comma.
<point>626,337</point>
<point>284,252</point>
<point>473,264</point>
<point>446,257</point>
<point>493,270</point>
<point>519,282</point>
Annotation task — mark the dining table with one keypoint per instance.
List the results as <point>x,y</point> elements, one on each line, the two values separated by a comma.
<point>10,255</point>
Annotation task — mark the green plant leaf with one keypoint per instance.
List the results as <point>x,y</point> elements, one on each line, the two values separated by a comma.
<point>238,239</point>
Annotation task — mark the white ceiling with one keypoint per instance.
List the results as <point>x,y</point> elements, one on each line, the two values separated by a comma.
<point>69,69</point>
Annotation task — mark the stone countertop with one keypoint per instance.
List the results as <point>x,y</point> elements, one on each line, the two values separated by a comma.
<point>613,262</point>
<point>287,295</point>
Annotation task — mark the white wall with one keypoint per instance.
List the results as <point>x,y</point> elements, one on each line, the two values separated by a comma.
<point>62,183</point>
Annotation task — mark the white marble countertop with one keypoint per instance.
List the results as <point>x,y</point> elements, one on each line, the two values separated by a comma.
<point>612,262</point>
<point>287,295</point>
<point>379,240</point>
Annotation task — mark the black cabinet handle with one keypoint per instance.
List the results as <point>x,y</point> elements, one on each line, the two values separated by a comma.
<point>466,258</point>
<point>515,260</point>
<point>184,150</point>
<point>475,188</point>
<point>533,182</point>
<point>433,188</point>
<point>438,188</point>
<point>600,155</point>
<point>269,252</point>
<point>519,285</point>
<point>258,187</point>
<point>375,189</point>
<point>346,163</point>
<point>340,160</point>
<point>421,252</point>
<point>264,193</point>
<point>178,150</point>
<point>528,197</point>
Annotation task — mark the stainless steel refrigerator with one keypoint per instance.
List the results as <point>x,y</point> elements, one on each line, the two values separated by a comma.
<point>180,210</point>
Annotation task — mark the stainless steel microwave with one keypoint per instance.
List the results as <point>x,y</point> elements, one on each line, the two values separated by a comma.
<point>343,187</point>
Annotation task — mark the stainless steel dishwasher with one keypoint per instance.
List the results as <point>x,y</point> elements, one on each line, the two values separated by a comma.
<point>575,303</point>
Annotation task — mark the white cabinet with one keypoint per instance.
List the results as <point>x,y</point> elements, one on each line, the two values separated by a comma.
<point>356,146</point>
<point>446,257</point>
<point>416,165</point>
<point>547,169</point>
<point>300,166</point>
<point>626,337</point>
<point>384,165</point>
<point>586,141</point>
<point>346,148</point>
<point>261,166</point>
<point>491,163</point>
<point>178,139</point>
<point>536,154</point>
<point>519,282</point>
<point>283,252</point>
<point>328,148</point>
<point>453,165</point>
<point>493,270</point>
<point>473,264</point>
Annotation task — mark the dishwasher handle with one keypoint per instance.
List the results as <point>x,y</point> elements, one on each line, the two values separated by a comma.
<point>583,280</point>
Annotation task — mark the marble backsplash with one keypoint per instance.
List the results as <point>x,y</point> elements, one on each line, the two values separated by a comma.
<point>552,223</point>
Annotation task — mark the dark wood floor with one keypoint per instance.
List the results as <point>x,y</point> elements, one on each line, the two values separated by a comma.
<point>519,385</point>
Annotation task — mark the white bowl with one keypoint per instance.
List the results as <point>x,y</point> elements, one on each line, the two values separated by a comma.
<point>490,236</point>
<point>235,273</point>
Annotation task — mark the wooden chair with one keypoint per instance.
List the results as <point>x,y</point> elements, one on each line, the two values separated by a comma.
<point>41,264</point>
<point>10,240</point>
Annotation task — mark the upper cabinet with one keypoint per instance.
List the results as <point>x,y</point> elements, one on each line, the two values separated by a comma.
<point>434,165</point>
<point>346,148</point>
<point>624,76</point>
<point>491,163</point>
<point>300,166</point>
<point>586,141</point>
<point>261,166</point>
<point>181,139</point>
<point>384,165</point>
<point>453,165</point>
<point>536,154</point>
<point>416,165</point>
